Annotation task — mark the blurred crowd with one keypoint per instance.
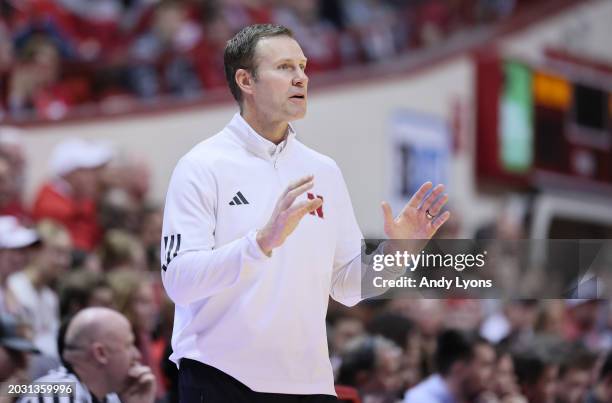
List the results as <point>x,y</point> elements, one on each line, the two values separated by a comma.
<point>91,238</point>
<point>59,55</point>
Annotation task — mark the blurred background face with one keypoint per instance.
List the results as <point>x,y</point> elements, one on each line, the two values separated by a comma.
<point>521,316</point>
<point>345,329</point>
<point>480,371</point>
<point>504,379</point>
<point>145,311</point>
<point>544,389</point>
<point>388,371</point>
<point>6,182</point>
<point>151,228</point>
<point>46,55</point>
<point>101,296</point>
<point>168,20</point>
<point>573,386</point>
<point>55,256</point>
<point>42,54</point>
<point>412,357</point>
<point>85,182</point>
<point>280,75</point>
<point>308,10</point>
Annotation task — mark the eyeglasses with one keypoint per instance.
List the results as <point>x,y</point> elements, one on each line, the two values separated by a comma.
<point>74,347</point>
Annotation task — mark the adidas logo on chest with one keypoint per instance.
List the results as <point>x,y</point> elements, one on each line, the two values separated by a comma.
<point>238,200</point>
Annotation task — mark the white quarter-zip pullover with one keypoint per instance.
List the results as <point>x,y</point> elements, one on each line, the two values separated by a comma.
<point>259,319</point>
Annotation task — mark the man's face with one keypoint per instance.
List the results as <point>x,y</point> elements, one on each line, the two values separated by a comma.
<point>572,388</point>
<point>345,330</point>
<point>389,369</point>
<point>55,256</point>
<point>84,182</point>
<point>505,379</point>
<point>123,354</point>
<point>280,87</point>
<point>480,371</point>
<point>545,388</point>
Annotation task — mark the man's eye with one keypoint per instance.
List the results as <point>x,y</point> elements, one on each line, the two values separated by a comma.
<point>284,66</point>
<point>303,67</point>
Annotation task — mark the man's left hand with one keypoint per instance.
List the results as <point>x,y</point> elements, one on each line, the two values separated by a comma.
<point>419,218</point>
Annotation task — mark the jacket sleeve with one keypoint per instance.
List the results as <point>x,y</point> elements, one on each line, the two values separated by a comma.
<point>192,267</point>
<point>352,275</point>
<point>347,270</point>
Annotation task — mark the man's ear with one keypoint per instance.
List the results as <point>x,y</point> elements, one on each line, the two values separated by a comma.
<point>99,353</point>
<point>245,81</point>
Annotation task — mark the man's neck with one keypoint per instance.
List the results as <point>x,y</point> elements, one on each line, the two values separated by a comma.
<point>272,131</point>
<point>98,390</point>
<point>94,383</point>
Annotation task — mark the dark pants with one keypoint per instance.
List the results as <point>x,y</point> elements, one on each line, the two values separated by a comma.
<point>201,383</point>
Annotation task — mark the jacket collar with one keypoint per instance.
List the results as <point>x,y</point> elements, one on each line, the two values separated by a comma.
<point>256,143</point>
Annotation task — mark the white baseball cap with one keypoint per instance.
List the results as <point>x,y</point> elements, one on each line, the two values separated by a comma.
<point>14,236</point>
<point>75,153</point>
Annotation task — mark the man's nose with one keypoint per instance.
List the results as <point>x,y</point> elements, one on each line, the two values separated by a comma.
<point>137,354</point>
<point>301,79</point>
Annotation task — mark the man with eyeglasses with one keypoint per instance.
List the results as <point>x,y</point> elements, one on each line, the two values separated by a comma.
<point>102,363</point>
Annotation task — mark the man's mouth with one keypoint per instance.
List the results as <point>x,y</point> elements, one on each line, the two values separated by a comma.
<point>302,97</point>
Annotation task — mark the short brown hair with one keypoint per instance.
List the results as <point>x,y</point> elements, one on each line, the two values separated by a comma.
<point>240,52</point>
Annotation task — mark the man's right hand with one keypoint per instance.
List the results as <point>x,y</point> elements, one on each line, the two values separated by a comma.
<point>286,216</point>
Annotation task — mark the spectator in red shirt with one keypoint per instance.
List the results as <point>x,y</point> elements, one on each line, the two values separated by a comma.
<point>71,196</point>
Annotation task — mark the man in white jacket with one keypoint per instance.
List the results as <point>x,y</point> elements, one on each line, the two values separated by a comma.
<point>252,247</point>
